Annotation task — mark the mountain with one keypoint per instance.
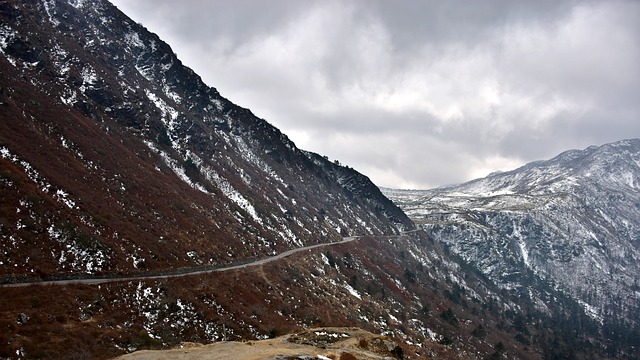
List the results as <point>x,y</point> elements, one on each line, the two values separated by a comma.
<point>141,209</point>
<point>571,224</point>
<point>111,147</point>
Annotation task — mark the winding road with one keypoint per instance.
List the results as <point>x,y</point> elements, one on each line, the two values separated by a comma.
<point>173,273</point>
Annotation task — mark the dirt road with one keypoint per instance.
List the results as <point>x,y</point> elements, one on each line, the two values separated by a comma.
<point>173,273</point>
<point>320,343</point>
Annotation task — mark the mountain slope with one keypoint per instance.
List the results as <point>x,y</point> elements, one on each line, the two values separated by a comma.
<point>117,161</point>
<point>571,223</point>
<point>116,156</point>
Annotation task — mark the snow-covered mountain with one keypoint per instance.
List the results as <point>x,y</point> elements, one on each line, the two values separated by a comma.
<point>118,162</point>
<point>141,137</point>
<point>571,223</point>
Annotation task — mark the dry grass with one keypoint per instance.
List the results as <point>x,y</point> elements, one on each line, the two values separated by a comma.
<point>295,346</point>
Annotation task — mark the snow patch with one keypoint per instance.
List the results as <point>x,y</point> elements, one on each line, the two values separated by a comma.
<point>234,195</point>
<point>175,167</point>
<point>63,197</point>
<point>7,35</point>
<point>353,291</point>
<point>169,114</point>
<point>133,39</point>
<point>78,4</point>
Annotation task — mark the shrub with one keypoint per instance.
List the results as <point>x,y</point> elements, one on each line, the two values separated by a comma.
<point>449,317</point>
<point>347,356</point>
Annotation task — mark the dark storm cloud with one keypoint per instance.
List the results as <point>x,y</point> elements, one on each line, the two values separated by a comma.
<point>418,93</point>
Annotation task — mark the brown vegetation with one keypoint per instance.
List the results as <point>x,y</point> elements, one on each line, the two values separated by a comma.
<point>90,321</point>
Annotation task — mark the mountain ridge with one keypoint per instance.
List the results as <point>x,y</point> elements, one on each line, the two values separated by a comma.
<point>118,79</point>
<point>116,160</point>
<point>569,159</point>
<point>569,222</point>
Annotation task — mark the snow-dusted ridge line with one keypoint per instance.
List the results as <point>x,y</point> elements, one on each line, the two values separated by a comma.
<point>570,222</point>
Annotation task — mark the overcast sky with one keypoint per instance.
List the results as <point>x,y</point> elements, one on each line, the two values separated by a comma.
<point>418,94</point>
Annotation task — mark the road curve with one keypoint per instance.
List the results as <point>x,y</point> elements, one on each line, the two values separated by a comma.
<point>168,275</point>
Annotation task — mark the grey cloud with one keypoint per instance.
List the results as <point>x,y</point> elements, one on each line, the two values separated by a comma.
<point>415,22</point>
<point>418,93</point>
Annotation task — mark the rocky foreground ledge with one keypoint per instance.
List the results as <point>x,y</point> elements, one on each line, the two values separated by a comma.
<point>310,344</point>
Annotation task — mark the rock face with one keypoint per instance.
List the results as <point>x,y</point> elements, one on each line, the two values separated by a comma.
<point>571,223</point>
<point>114,157</point>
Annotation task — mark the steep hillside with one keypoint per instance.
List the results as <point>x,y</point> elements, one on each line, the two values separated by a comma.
<point>118,162</point>
<point>571,224</point>
<point>403,287</point>
<point>115,157</point>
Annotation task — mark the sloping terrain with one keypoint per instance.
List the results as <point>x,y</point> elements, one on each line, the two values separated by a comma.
<point>117,161</point>
<point>115,157</point>
<point>402,287</point>
<point>571,224</point>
